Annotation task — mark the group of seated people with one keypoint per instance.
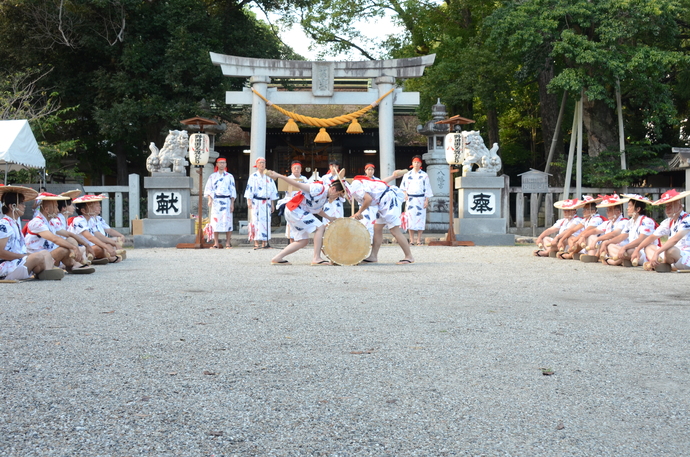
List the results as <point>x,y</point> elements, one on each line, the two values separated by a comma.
<point>66,233</point>
<point>617,240</point>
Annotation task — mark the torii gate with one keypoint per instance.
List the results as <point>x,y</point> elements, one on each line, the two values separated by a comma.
<point>322,74</point>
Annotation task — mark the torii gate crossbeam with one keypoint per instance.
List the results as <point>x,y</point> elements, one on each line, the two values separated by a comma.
<point>383,72</point>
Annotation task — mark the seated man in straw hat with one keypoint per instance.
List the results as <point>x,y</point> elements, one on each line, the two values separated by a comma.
<point>619,249</point>
<point>88,207</point>
<point>59,223</point>
<point>300,213</point>
<point>41,236</point>
<point>570,243</point>
<point>389,199</point>
<point>675,252</point>
<point>15,262</point>
<point>106,233</point>
<point>548,240</point>
<point>610,228</point>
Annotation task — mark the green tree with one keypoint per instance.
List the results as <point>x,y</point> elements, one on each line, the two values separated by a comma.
<point>132,69</point>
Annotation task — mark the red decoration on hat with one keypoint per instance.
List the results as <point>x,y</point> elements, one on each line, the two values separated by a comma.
<point>256,164</point>
<point>369,165</point>
<point>669,195</point>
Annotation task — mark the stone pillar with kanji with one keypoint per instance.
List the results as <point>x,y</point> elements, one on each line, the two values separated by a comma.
<point>168,220</point>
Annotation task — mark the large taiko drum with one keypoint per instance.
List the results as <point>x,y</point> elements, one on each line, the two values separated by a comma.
<point>346,241</point>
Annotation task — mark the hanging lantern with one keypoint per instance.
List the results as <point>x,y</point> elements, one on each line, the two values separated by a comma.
<point>355,127</point>
<point>291,126</point>
<point>323,136</point>
<point>199,145</point>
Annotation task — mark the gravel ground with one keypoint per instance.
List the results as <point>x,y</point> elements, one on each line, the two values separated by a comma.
<point>216,352</point>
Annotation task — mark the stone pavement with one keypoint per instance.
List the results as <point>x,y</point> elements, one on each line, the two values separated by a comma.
<point>469,351</point>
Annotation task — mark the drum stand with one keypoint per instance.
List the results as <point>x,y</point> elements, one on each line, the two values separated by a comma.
<point>450,237</point>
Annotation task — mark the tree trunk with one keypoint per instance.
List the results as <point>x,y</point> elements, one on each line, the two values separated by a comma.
<point>601,125</point>
<point>492,125</point>
<point>121,157</point>
<point>548,110</point>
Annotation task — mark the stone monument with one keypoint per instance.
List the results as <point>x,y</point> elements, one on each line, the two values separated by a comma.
<point>168,188</point>
<point>437,169</point>
<point>479,190</point>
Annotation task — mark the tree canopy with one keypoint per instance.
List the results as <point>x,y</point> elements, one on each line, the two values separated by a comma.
<point>129,69</point>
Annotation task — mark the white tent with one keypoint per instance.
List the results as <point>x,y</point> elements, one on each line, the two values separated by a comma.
<point>18,147</point>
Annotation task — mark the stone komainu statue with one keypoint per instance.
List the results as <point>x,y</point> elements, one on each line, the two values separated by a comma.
<point>475,153</point>
<point>171,156</point>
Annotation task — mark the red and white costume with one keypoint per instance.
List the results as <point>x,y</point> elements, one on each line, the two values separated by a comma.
<point>670,227</point>
<point>13,269</point>
<point>417,187</point>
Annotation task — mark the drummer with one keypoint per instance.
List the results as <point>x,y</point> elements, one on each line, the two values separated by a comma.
<point>300,214</point>
<point>369,216</point>
<point>296,169</point>
<point>389,199</point>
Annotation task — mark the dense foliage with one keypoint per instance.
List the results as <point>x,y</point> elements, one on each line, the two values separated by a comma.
<point>129,69</point>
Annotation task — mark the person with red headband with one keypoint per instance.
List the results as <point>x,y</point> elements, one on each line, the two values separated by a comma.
<point>260,193</point>
<point>300,213</point>
<point>675,252</point>
<point>15,262</point>
<point>221,193</point>
<point>296,169</point>
<point>367,192</point>
<point>334,208</point>
<point>369,216</point>
<point>417,188</point>
<point>41,235</point>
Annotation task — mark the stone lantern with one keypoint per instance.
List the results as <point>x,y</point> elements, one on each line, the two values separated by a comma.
<point>437,168</point>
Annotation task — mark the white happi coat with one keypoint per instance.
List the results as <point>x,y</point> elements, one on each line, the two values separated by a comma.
<point>35,243</point>
<point>609,226</point>
<point>643,225</point>
<point>302,219</point>
<point>80,224</point>
<point>221,188</point>
<point>387,198</point>
<point>10,230</point>
<point>670,228</point>
<point>418,188</point>
<point>261,190</point>
<point>369,217</point>
<point>288,196</point>
<point>334,209</point>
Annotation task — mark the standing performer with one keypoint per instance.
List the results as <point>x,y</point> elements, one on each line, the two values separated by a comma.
<point>389,199</point>
<point>221,193</point>
<point>300,214</point>
<point>15,262</point>
<point>260,194</point>
<point>369,216</point>
<point>417,188</point>
<point>296,168</point>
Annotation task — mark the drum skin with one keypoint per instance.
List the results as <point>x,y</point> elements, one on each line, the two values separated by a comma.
<point>346,241</point>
